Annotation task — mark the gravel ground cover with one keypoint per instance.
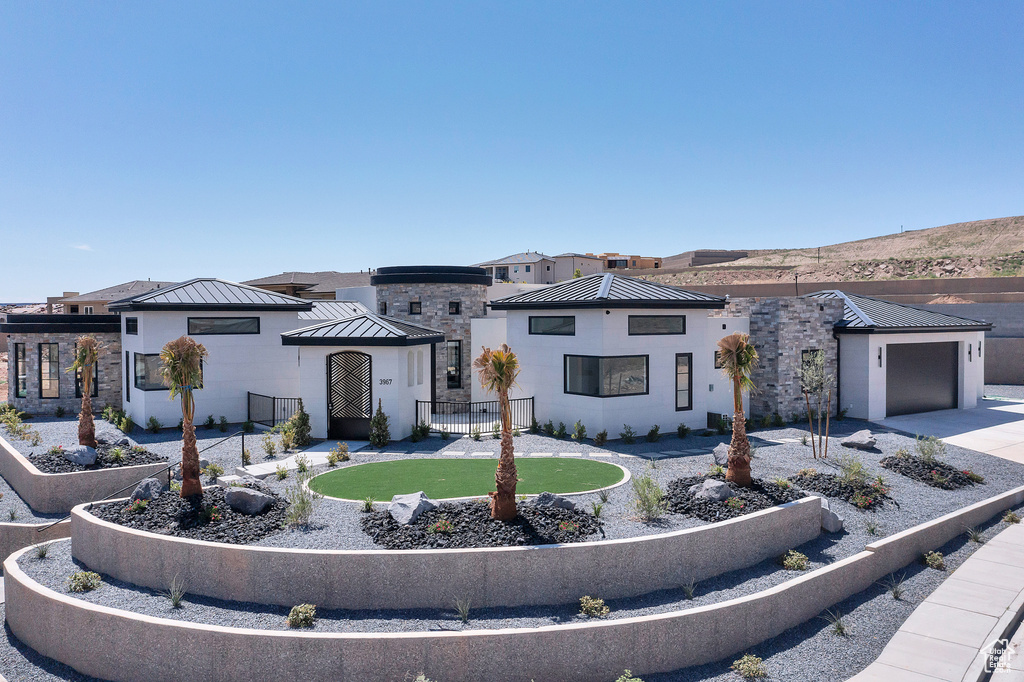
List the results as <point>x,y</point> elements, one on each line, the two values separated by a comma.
<point>52,461</point>
<point>760,495</point>
<point>1004,391</point>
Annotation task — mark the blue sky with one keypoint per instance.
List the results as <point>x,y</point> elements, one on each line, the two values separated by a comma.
<point>172,140</point>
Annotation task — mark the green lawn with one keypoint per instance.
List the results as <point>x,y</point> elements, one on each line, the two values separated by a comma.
<point>441,478</point>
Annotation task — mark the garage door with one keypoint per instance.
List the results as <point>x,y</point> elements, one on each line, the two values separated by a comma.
<point>920,377</point>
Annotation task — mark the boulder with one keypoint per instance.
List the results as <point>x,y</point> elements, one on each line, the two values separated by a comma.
<point>80,454</point>
<point>405,509</point>
<point>712,490</point>
<point>247,500</point>
<point>546,499</point>
<point>203,463</point>
<point>148,489</point>
<point>112,436</point>
<point>862,440</point>
<point>721,453</point>
<point>830,521</point>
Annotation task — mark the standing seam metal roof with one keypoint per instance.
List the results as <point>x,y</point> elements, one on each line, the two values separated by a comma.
<point>366,327</point>
<point>864,312</point>
<point>209,292</point>
<point>333,310</point>
<point>608,290</point>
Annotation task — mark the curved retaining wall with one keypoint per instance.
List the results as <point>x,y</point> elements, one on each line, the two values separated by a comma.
<point>401,579</point>
<point>59,493</point>
<point>15,536</point>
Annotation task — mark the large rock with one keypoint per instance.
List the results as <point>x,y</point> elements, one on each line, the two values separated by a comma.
<point>405,509</point>
<point>148,489</point>
<point>712,490</point>
<point>546,499</point>
<point>721,453</point>
<point>80,454</point>
<point>862,440</point>
<point>247,500</point>
<point>830,521</point>
<point>109,435</point>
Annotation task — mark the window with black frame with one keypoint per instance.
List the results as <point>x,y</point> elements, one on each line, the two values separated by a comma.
<point>415,308</point>
<point>684,381</point>
<point>49,370</point>
<point>20,372</point>
<point>454,307</point>
<point>382,307</point>
<point>553,325</point>
<point>131,325</point>
<point>651,325</point>
<point>454,351</point>
<point>147,373</point>
<point>200,326</point>
<point>606,377</point>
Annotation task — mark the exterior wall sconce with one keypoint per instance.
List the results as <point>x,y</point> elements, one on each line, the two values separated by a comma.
<point>979,349</point>
<point>879,356</point>
<point>970,347</point>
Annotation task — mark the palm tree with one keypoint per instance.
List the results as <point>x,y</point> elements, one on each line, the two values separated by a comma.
<point>85,362</point>
<point>498,371</point>
<point>182,370</point>
<point>738,358</point>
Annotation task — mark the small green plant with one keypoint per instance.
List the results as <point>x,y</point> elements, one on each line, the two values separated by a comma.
<point>794,560</point>
<point>534,425</point>
<point>765,421</point>
<point>287,440</point>
<point>302,501</point>
<point>367,505</point>
<point>281,472</point>
<point>301,464</point>
<point>689,587</point>
<point>42,550</point>
<point>835,621</point>
<point>445,433</point>
<point>648,498</point>
<point>60,411</point>
<point>777,420</point>
<point>750,667</point>
<point>137,450</point>
<point>223,424</point>
<point>84,581</point>
<point>127,424</point>
<point>783,483</point>
<point>153,425</point>
<point>302,616</point>
<point>176,592</point>
<point>579,432</point>
<point>181,424</point>
<point>723,426</point>
<point>654,434</point>
<point>516,433</point>
<point>420,431</point>
<point>973,477</point>
<point>735,503</point>
<point>841,414</point>
<point>568,526</point>
<point>902,453</point>
<point>603,495</point>
<point>1011,517</point>
<point>210,513</point>
<point>975,535</point>
<point>807,472</point>
<point>380,429</point>
<point>338,454</point>
<point>116,455</point>
<point>601,438</point>
<point>592,607</point>
<point>210,422</point>
<point>596,508</point>
<point>442,526</point>
<point>862,499</point>
<point>475,433</point>
<point>12,515</point>
<point>137,506</point>
<point>248,426</point>
<point>628,435</point>
<point>246,457</point>
<point>175,486</point>
<point>853,470</point>
<point>894,585</point>
<point>871,527</point>
<point>682,430</point>
<point>627,676</point>
<point>934,560</point>
<point>803,440</point>
<point>716,471</point>
<point>549,428</point>
<point>213,471</point>
<point>56,451</point>
<point>269,445</point>
<point>462,608</point>
<point>930,449</point>
<point>561,432</point>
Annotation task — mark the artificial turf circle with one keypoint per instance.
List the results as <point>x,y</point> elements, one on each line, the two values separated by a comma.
<point>446,478</point>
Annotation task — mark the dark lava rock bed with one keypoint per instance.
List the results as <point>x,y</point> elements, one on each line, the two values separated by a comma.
<point>53,462</point>
<point>935,473</point>
<point>760,495</point>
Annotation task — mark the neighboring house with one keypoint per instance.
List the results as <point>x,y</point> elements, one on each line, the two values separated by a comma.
<point>311,285</point>
<point>566,265</point>
<point>618,261</point>
<point>528,267</point>
<point>96,302</point>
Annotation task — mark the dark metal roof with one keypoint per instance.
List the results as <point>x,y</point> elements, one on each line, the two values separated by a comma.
<point>431,274</point>
<point>325,280</point>
<point>28,323</point>
<point>362,330</point>
<point>863,314</point>
<point>608,291</point>
<point>333,310</point>
<point>205,293</point>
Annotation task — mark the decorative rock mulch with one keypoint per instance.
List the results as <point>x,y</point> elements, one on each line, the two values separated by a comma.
<point>53,462</point>
<point>761,495</point>
<point>936,474</point>
<point>469,524</point>
<point>867,497</point>
<point>213,520</point>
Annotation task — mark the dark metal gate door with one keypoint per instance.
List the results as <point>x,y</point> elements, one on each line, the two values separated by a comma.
<point>921,377</point>
<point>349,402</point>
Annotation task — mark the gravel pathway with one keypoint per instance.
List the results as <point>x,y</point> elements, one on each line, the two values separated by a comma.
<point>1004,391</point>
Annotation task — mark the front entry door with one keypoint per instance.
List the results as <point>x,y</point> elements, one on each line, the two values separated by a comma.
<point>349,403</point>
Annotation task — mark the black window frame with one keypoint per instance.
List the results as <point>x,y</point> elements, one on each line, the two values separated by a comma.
<point>689,376</point>
<point>630,318</point>
<point>131,326</point>
<point>527,268</point>
<point>382,307</point>
<point>454,307</point>
<point>127,377</point>
<point>415,307</point>
<point>73,309</point>
<point>448,364</point>
<point>20,363</point>
<point>718,359</point>
<point>95,393</point>
<point>55,362</point>
<point>145,375</point>
<point>188,326</point>
<point>551,317</point>
<point>599,358</point>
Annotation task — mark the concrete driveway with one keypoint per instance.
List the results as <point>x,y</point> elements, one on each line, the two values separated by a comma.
<point>995,427</point>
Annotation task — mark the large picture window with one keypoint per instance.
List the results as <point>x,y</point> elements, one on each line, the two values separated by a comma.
<point>554,326</point>
<point>94,390</point>
<point>643,325</point>
<point>147,373</point>
<point>49,370</point>
<point>684,381</point>
<point>454,349</point>
<point>606,377</point>
<point>20,371</point>
<point>223,325</point>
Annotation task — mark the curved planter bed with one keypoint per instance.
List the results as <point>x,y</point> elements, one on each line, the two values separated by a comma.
<point>59,493</point>
<point>15,536</point>
<point>402,579</point>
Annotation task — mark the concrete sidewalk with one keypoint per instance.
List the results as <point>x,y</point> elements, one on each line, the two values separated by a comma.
<point>949,636</point>
<point>995,427</point>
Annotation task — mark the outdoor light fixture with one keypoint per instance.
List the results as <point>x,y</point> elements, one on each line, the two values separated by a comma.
<point>879,356</point>
<point>970,347</point>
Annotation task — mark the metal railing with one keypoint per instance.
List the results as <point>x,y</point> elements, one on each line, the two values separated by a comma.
<point>269,410</point>
<point>458,417</point>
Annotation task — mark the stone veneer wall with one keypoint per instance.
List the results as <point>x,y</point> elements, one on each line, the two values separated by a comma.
<point>109,372</point>
<point>781,328</point>
<point>434,299</point>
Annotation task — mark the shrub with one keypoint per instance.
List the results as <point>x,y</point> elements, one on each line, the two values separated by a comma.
<point>281,472</point>
<point>628,435</point>
<point>367,504</point>
<point>809,471</point>
<point>654,434</point>
<point>930,449</point>
<point>269,446</point>
<point>56,450</point>
<point>722,427</point>
<point>176,592</point>
<point>903,453</point>
<point>116,455</point>
<point>210,513</point>
<point>223,424</point>
<point>380,432</point>
<point>765,421</point>
<point>303,501</point>
<point>213,471</point>
<point>42,550</point>
<point>339,453</point>
<point>592,607</point>
<point>137,506</point>
<point>682,430</point>
<point>853,470</point>
<point>287,440</point>
<point>549,428</point>
<point>934,560</point>
<point>181,424</point>
<point>210,422</point>
<point>59,412</point>
<point>462,608</point>
<point>302,616</point>
<point>248,426</point>
<point>246,457</point>
<point>794,561</point>
<point>579,432</point>
<point>299,426</point>
<point>475,433</point>
<point>534,425</point>
<point>153,425</point>
<point>1011,517</point>
<point>716,470</point>
<point>302,464</point>
<point>445,434</point>
<point>777,420</point>
<point>648,498</point>
<point>735,503</point>
<point>627,676</point>
<point>601,438</point>
<point>782,483</point>
<point>496,432</point>
<point>126,425</point>
<point>561,432</point>
<point>841,414</point>
<point>442,526</point>
<point>420,431</point>
<point>973,477</point>
<point>516,433</point>
<point>803,440</point>
<point>749,667</point>
<point>84,581</point>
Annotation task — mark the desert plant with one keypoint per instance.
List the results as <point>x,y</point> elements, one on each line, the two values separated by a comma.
<point>127,424</point>
<point>299,426</point>
<point>462,608</point>
<point>176,592</point>
<point>794,561</point>
<point>42,550</point>
<point>735,503</point>
<point>59,412</point>
<point>1011,517</point>
<point>287,439</point>
<point>269,444</point>
<point>654,434</point>
<point>445,433</point>
<point>380,431</point>
<point>716,470</point>
<point>281,472</point>
<point>934,560</point>
<point>549,428</point>
<point>181,369</point>
<point>475,433</point>
<point>817,381</point>
<point>930,449</point>
<point>153,425</point>
<point>116,455</point>
<point>976,536</point>
<point>835,621</point>
<point>209,423</point>
<point>516,433</point>
<point>497,371</point>
<point>86,354</point>
<point>722,426</point>
<point>894,585</point>
<point>367,505</point>
<point>248,426</point>
<point>534,425</point>
<point>603,495</point>
<point>682,430</point>
<point>84,581</point>
<point>782,483</point>
<point>628,435</point>
<point>12,515</point>
<point>852,470</point>
<point>689,587</point>
<point>579,432</point>
<point>303,500</point>
<point>302,616</point>
<point>223,424</point>
<point>137,506</point>
<point>561,431</point>
<point>592,607</point>
<point>213,471</point>
<point>803,440</point>
<point>496,432</point>
<point>339,453</point>
<point>302,464</point>
<point>738,358</point>
<point>648,498</point>
<point>628,676</point>
<point>749,667</point>
<point>871,527</point>
<point>246,457</point>
<point>442,526</point>
<point>601,438</point>
<point>973,477</point>
<point>420,431</point>
<point>777,420</point>
<point>596,508</point>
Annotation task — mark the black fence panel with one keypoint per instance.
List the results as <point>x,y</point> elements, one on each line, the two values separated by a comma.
<point>269,410</point>
<point>459,417</point>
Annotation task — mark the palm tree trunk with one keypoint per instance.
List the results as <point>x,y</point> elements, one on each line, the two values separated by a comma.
<point>86,426</point>
<point>739,448</point>
<point>190,483</point>
<point>503,500</point>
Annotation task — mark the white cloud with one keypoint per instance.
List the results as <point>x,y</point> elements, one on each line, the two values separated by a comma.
<point>81,247</point>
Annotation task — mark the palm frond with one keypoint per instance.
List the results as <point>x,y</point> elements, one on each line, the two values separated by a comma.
<point>181,364</point>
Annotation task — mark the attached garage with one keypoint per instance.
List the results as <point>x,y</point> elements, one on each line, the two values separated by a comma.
<point>921,377</point>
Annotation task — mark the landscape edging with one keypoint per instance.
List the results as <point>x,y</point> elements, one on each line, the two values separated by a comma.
<point>15,536</point>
